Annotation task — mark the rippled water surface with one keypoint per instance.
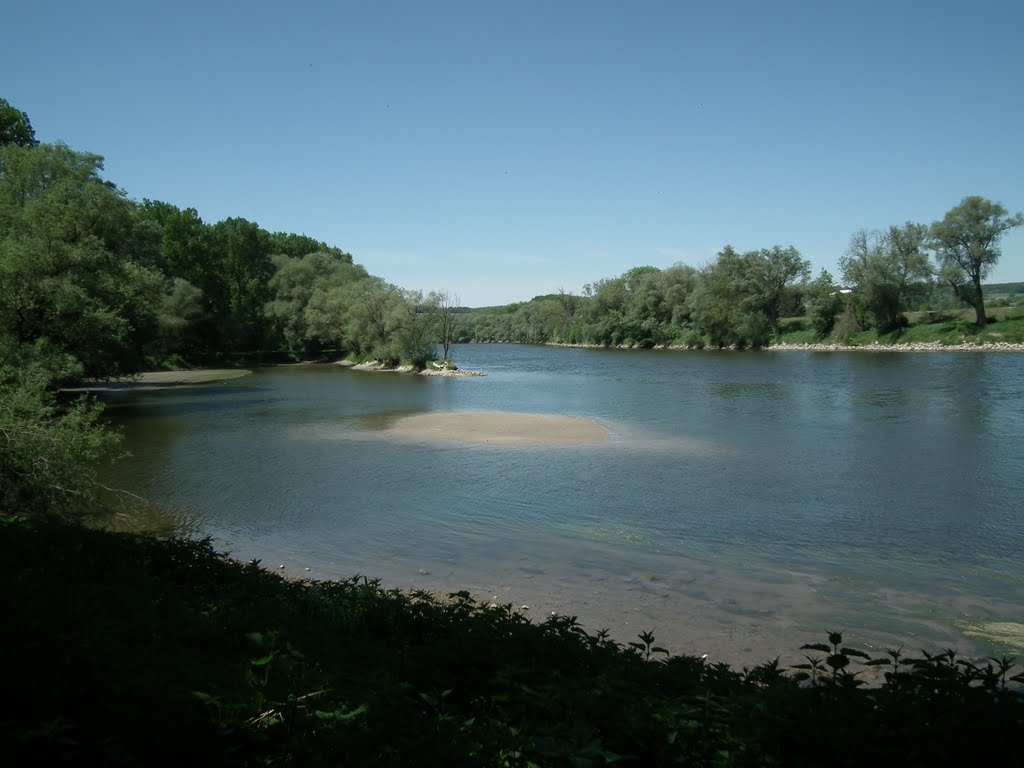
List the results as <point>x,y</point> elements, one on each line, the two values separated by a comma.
<point>745,501</point>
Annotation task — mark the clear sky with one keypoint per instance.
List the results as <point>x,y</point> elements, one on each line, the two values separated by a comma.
<point>501,150</point>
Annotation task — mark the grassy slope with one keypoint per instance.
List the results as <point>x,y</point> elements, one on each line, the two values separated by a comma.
<point>126,650</point>
<point>948,328</point>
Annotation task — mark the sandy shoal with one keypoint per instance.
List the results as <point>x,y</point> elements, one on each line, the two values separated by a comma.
<point>151,380</point>
<point>501,428</point>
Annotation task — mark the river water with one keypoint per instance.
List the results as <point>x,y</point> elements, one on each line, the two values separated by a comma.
<point>745,502</point>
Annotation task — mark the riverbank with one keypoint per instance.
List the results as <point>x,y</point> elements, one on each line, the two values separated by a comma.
<point>132,650</point>
<point>153,380</point>
<point>873,346</point>
<point>932,346</point>
<point>432,369</point>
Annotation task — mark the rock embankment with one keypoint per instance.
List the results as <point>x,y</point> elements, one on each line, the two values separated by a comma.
<point>921,346</point>
<point>432,369</point>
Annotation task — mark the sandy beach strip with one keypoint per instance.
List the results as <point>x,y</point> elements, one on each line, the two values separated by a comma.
<point>497,428</point>
<point>151,380</point>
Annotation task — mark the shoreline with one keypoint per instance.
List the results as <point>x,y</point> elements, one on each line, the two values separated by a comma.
<point>376,366</point>
<point>920,346</point>
<point>693,608</point>
<point>155,380</point>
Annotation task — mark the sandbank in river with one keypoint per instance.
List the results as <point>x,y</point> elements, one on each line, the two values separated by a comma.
<point>500,428</point>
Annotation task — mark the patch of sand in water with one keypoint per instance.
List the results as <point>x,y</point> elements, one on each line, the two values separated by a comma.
<point>496,428</point>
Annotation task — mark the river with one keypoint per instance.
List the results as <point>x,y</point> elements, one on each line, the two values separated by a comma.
<point>744,503</point>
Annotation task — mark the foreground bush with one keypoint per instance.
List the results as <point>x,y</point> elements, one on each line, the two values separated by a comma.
<point>125,650</point>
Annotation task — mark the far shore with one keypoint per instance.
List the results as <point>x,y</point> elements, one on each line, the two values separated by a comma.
<point>924,346</point>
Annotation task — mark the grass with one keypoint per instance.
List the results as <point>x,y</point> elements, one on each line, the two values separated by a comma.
<point>953,327</point>
<point>130,650</point>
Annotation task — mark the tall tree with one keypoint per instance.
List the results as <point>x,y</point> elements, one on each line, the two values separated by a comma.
<point>442,305</point>
<point>74,280</point>
<point>723,307</point>
<point>888,270</point>
<point>770,274</point>
<point>243,248</point>
<point>15,127</point>
<point>823,303</point>
<point>297,246</point>
<point>294,284</point>
<point>966,245</point>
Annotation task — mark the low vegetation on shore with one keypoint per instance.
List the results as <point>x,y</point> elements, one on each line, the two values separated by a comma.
<point>132,650</point>
<point>933,328</point>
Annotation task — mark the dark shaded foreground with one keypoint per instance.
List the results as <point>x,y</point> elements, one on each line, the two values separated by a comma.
<point>127,650</point>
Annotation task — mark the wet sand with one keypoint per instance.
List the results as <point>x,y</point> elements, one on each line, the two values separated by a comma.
<point>501,428</point>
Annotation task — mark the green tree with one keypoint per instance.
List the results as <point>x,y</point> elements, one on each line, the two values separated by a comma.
<point>180,321</point>
<point>243,250</point>
<point>722,306</point>
<point>297,246</point>
<point>768,277</point>
<point>823,302</point>
<point>48,455</point>
<point>374,320</point>
<point>443,306</point>
<point>741,297</point>
<point>15,127</point>
<point>187,253</point>
<point>295,283</point>
<point>966,245</point>
<point>889,271</point>
<point>604,312</point>
<point>74,280</point>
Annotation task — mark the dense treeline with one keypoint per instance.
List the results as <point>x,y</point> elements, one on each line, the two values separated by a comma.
<point>738,299</point>
<point>95,284</point>
<point>101,285</point>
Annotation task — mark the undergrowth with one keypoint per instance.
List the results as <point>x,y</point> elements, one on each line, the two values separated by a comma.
<point>129,650</point>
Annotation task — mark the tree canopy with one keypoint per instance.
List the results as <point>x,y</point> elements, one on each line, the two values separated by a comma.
<point>888,270</point>
<point>966,245</point>
<point>15,127</point>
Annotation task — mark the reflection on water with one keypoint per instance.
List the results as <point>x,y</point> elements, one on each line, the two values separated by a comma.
<point>744,503</point>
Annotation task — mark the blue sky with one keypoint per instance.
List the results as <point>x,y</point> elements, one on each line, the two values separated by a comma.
<point>505,150</point>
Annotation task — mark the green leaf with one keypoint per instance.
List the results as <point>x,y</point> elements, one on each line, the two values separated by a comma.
<point>816,647</point>
<point>837,661</point>
<point>339,715</point>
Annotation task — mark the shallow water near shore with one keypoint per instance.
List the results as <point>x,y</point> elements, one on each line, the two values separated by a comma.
<point>742,504</point>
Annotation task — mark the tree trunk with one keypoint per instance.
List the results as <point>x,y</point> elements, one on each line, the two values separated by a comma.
<point>979,306</point>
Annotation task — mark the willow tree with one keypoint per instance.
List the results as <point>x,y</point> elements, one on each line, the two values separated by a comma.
<point>966,245</point>
<point>888,270</point>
